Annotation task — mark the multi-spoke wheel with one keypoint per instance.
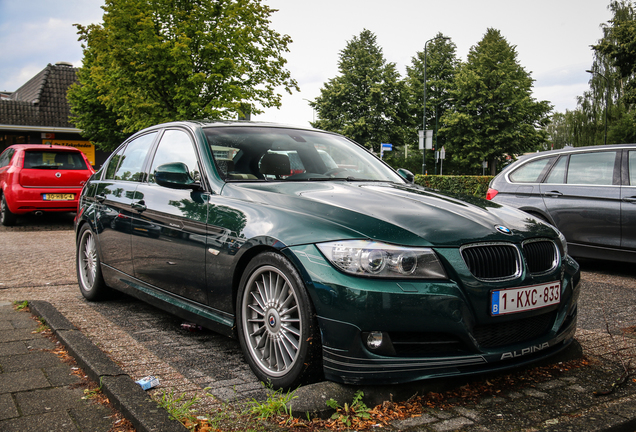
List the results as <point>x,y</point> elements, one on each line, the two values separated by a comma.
<point>6,217</point>
<point>89,272</point>
<point>277,327</point>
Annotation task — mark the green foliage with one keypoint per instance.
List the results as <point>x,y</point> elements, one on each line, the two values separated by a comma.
<point>608,105</point>
<point>21,305</point>
<point>347,414</point>
<point>177,406</point>
<point>464,185</point>
<point>152,61</point>
<point>493,113</point>
<point>441,67</point>
<point>275,404</point>
<point>367,102</point>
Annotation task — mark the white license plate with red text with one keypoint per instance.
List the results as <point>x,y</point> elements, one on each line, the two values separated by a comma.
<point>525,298</point>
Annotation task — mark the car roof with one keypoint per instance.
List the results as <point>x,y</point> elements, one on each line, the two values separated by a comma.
<point>574,150</point>
<point>43,147</point>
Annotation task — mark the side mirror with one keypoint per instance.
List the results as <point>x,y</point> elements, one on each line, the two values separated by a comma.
<point>406,175</point>
<point>175,176</point>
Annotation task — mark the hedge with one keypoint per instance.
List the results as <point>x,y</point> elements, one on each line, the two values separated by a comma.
<point>469,185</point>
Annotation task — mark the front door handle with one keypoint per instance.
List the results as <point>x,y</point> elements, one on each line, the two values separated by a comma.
<point>630,199</point>
<point>139,206</point>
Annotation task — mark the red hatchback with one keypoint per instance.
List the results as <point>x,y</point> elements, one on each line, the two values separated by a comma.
<point>38,178</point>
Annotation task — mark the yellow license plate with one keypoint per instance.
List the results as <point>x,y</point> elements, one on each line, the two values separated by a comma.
<point>59,197</point>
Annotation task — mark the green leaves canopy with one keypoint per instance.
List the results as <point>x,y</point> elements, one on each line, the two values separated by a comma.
<point>493,114</point>
<point>367,102</point>
<point>161,60</point>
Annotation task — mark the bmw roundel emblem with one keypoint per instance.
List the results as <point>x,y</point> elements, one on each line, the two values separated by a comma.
<point>272,321</point>
<point>503,229</point>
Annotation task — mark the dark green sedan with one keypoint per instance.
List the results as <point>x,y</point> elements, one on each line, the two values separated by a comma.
<point>323,261</point>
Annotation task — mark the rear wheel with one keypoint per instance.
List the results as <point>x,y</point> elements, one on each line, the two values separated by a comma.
<point>277,327</point>
<point>89,270</point>
<point>6,217</point>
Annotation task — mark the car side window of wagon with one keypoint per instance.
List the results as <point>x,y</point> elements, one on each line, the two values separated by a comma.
<point>632,168</point>
<point>128,162</point>
<point>596,168</point>
<point>532,172</point>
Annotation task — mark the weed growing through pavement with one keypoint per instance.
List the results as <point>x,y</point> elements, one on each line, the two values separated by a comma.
<point>274,405</point>
<point>43,326</point>
<point>350,414</point>
<point>179,407</point>
<point>21,305</point>
<point>92,393</point>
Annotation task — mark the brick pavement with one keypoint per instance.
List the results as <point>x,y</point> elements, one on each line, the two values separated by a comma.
<point>559,404</point>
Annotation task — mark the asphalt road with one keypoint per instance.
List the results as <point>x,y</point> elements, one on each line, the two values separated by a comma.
<point>37,260</point>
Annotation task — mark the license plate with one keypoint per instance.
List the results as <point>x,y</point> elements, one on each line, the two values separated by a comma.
<point>59,197</point>
<point>524,299</point>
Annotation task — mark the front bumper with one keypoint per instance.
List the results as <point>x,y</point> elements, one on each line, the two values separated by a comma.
<point>432,329</point>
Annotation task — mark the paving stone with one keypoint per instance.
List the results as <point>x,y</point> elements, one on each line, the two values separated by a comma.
<point>11,382</point>
<point>34,360</point>
<point>7,407</point>
<point>48,400</point>
<point>12,348</point>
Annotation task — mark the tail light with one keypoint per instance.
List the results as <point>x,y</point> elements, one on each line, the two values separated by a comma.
<point>491,193</point>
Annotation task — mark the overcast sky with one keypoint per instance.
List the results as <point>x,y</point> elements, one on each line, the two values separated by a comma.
<point>552,38</point>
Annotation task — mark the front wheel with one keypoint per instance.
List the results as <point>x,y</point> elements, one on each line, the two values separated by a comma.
<point>89,271</point>
<point>6,217</point>
<point>277,327</point>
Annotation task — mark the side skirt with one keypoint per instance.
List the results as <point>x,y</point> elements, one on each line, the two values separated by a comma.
<point>218,321</point>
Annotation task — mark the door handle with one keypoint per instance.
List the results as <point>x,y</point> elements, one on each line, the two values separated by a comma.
<point>139,205</point>
<point>100,198</point>
<point>630,199</point>
<point>553,194</point>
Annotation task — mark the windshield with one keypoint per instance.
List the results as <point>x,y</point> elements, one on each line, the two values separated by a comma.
<point>277,154</point>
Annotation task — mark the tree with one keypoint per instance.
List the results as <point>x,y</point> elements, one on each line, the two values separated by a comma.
<point>441,66</point>
<point>152,61</point>
<point>494,115</point>
<point>367,101</point>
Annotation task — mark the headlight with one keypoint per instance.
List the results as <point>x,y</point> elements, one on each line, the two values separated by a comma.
<point>367,258</point>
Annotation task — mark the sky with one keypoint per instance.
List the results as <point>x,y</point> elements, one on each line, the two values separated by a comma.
<point>552,39</point>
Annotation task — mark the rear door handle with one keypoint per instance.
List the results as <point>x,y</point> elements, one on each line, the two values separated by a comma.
<point>139,206</point>
<point>553,194</point>
<point>630,199</point>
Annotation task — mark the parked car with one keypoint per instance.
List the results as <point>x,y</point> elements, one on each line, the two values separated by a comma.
<point>345,270</point>
<point>588,193</point>
<point>37,178</point>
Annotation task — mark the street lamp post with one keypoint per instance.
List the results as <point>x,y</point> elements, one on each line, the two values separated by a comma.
<point>424,119</point>
<point>606,97</point>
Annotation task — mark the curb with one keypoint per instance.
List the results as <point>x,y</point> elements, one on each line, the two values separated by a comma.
<point>126,395</point>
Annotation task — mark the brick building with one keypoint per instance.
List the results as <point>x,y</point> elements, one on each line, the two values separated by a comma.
<point>38,113</point>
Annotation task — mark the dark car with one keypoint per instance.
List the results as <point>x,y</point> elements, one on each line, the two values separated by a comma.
<point>341,268</point>
<point>36,178</point>
<point>588,193</point>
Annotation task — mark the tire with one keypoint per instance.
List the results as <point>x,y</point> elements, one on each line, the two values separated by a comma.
<point>6,217</point>
<point>277,327</point>
<point>88,264</point>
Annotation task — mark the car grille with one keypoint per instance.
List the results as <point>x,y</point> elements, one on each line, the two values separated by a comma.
<point>541,256</point>
<point>502,261</point>
<point>512,332</point>
<point>493,261</point>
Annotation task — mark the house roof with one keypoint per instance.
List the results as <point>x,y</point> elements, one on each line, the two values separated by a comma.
<point>41,101</point>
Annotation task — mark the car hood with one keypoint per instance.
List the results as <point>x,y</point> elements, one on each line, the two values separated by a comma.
<point>400,214</point>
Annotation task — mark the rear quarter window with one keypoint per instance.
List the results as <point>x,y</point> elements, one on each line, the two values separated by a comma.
<point>532,172</point>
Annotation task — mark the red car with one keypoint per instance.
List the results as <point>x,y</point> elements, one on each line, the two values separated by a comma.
<point>35,178</point>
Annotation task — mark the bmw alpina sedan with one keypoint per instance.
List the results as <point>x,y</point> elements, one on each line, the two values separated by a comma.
<point>335,266</point>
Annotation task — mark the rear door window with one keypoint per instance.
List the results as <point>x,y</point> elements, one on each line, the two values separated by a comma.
<point>127,164</point>
<point>595,168</point>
